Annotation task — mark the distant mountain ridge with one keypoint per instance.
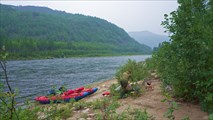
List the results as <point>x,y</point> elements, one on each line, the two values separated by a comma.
<point>63,31</point>
<point>148,38</point>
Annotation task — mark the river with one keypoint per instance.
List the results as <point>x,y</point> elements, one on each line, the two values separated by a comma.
<point>35,77</point>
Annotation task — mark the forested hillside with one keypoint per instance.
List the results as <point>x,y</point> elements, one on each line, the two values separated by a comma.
<point>28,31</point>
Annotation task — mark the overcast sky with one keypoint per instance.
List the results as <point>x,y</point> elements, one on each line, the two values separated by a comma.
<point>129,15</point>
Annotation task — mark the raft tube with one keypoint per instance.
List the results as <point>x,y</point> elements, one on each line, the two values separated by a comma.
<point>76,94</point>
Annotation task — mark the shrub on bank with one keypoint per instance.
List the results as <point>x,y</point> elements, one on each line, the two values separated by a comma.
<point>139,70</point>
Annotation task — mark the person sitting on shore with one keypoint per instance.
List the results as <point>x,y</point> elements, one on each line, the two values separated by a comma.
<point>125,83</point>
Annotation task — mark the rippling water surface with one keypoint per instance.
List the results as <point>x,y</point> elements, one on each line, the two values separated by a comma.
<point>35,77</point>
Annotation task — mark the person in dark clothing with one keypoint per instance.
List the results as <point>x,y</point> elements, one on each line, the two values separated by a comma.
<point>62,89</point>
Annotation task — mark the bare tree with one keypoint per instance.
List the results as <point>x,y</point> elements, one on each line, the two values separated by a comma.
<point>11,95</point>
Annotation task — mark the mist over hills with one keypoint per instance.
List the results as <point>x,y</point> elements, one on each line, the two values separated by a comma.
<point>40,29</point>
<point>148,38</point>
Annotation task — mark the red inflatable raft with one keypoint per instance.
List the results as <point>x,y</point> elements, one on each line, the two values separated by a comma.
<point>76,94</point>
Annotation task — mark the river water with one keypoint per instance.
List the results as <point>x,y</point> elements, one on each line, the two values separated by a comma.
<point>36,77</point>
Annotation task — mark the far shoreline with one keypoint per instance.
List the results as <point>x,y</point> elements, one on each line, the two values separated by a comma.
<point>49,58</point>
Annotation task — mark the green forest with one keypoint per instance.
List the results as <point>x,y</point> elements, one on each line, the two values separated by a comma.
<point>39,32</point>
<point>186,62</point>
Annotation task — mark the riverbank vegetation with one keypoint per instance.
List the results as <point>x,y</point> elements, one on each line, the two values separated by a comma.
<point>186,62</point>
<point>39,49</point>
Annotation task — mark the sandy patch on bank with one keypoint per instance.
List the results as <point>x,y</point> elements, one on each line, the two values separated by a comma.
<point>150,100</point>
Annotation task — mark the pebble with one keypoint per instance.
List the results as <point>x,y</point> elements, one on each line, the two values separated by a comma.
<point>91,115</point>
<point>86,110</point>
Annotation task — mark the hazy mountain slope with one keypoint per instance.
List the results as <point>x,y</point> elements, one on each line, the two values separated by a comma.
<point>148,38</point>
<point>31,23</point>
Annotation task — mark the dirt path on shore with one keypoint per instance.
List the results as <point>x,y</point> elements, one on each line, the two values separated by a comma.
<point>150,100</point>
